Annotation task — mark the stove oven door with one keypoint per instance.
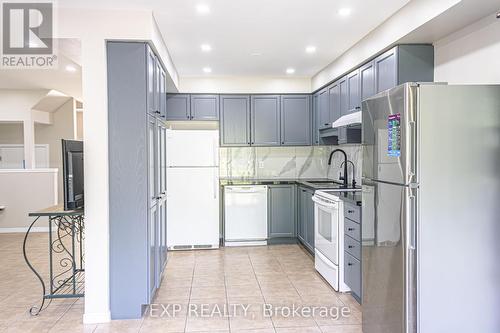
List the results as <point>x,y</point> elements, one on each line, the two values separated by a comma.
<point>326,221</point>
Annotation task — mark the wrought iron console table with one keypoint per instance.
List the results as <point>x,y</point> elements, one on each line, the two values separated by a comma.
<point>66,258</point>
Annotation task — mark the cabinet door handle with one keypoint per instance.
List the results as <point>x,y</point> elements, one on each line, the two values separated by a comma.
<point>350,246</point>
<point>350,211</point>
<point>349,264</point>
<point>350,229</point>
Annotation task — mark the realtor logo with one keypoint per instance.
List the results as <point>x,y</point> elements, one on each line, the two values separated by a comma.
<point>27,35</point>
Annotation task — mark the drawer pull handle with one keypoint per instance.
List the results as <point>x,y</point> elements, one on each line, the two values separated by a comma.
<point>350,229</point>
<point>350,246</point>
<point>349,264</point>
<point>350,211</point>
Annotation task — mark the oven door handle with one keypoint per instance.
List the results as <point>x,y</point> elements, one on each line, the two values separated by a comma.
<point>324,203</point>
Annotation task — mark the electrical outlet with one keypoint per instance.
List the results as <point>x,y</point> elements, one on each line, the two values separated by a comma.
<point>261,164</point>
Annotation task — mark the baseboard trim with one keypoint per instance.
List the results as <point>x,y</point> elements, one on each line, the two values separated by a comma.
<point>23,230</point>
<point>97,317</point>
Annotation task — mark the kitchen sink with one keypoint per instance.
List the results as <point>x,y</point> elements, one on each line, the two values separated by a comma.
<point>323,182</point>
<point>331,185</point>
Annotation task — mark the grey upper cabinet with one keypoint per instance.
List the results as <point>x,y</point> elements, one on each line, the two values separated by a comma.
<point>324,109</point>
<point>204,107</point>
<point>344,96</point>
<point>151,82</point>
<point>404,63</point>
<point>334,101</point>
<point>178,107</point>
<point>295,120</point>
<point>162,96</point>
<point>265,120</point>
<point>353,91</point>
<point>386,70</point>
<point>315,119</point>
<point>367,80</point>
<point>281,211</point>
<point>235,120</point>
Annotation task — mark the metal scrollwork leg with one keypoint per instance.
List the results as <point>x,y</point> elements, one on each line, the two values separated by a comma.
<point>34,310</point>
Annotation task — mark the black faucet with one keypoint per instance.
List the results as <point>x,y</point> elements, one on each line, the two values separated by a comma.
<point>344,178</point>
<point>353,173</point>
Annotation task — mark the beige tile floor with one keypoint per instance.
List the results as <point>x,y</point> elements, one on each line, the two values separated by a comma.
<point>281,275</point>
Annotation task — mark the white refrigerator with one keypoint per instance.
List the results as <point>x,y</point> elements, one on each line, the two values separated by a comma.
<point>192,189</point>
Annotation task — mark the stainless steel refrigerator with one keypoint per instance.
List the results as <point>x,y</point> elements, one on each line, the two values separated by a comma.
<point>431,209</point>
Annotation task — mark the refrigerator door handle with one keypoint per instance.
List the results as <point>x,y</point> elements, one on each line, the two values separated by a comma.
<point>412,225</point>
<point>413,154</point>
<point>215,183</point>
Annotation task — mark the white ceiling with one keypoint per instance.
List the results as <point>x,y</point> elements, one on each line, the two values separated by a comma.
<point>279,30</point>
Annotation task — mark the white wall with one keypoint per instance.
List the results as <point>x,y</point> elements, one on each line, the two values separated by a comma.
<point>61,128</point>
<point>11,133</point>
<point>16,105</point>
<point>230,85</point>
<point>24,191</point>
<point>470,55</point>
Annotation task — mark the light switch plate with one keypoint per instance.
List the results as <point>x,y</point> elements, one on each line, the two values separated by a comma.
<point>261,164</point>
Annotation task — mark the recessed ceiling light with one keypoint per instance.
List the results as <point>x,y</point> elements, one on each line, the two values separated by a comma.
<point>256,54</point>
<point>206,47</point>
<point>207,70</point>
<point>311,49</point>
<point>344,11</point>
<point>290,70</point>
<point>202,8</point>
<point>70,68</point>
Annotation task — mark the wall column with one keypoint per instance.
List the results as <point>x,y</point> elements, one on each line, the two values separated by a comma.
<point>29,144</point>
<point>95,122</point>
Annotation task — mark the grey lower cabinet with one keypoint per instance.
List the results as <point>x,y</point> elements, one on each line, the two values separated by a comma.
<point>352,249</point>
<point>265,120</point>
<point>281,212</point>
<point>296,120</point>
<point>234,120</point>
<point>137,209</point>
<point>192,107</point>
<point>305,217</point>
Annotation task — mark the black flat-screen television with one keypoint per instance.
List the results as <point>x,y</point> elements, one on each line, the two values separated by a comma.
<point>72,152</point>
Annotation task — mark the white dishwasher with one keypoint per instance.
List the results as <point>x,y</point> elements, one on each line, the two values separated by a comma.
<point>245,215</point>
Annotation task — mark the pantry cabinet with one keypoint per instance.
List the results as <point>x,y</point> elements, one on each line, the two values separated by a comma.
<point>136,145</point>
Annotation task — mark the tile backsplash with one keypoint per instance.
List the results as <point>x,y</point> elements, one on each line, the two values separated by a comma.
<point>286,162</point>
